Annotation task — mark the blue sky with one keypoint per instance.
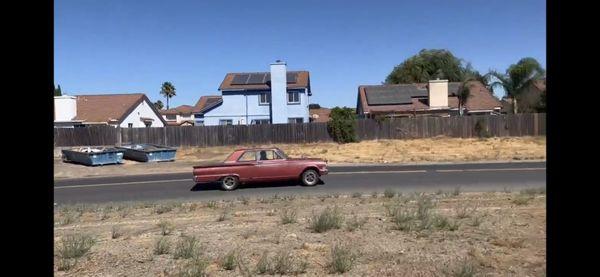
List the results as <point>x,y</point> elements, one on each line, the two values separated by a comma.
<point>133,46</point>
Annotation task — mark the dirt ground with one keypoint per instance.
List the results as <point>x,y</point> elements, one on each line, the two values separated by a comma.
<point>495,234</point>
<point>440,149</point>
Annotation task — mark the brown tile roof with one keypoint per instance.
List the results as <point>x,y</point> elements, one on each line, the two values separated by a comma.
<point>183,109</point>
<point>481,99</point>
<point>320,115</point>
<point>206,102</point>
<point>109,107</point>
<point>302,81</point>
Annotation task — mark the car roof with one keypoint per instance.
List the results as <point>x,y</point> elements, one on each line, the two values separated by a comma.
<point>257,149</point>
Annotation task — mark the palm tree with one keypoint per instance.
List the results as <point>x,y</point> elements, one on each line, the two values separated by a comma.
<point>168,91</point>
<point>518,77</point>
<point>464,92</point>
<point>468,75</point>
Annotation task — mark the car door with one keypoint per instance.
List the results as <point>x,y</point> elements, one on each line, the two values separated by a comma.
<point>246,167</point>
<point>270,166</point>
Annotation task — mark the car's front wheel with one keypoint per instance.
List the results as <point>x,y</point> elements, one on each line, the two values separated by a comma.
<point>310,177</point>
<point>229,183</point>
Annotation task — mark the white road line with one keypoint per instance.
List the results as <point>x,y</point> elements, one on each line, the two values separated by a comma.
<point>121,184</point>
<point>491,169</point>
<point>378,172</point>
<point>509,169</point>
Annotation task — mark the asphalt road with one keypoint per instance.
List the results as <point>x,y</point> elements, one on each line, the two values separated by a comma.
<point>341,179</point>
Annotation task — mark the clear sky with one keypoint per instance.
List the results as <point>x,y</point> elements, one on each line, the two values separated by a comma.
<point>126,46</point>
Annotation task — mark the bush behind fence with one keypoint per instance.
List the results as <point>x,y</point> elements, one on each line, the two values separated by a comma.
<point>366,129</point>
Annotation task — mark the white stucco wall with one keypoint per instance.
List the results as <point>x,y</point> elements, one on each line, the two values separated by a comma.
<point>65,108</point>
<point>142,110</point>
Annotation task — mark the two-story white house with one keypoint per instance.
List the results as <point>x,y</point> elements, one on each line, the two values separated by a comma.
<point>274,97</point>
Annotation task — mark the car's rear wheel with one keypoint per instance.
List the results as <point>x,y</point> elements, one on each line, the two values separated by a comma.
<point>229,183</point>
<point>310,177</point>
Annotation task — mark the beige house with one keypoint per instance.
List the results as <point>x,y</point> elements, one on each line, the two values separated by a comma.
<point>435,98</point>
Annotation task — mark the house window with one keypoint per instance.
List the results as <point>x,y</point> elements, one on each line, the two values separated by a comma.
<point>293,97</point>
<point>200,123</point>
<point>264,99</point>
<point>171,117</point>
<point>295,120</point>
<point>260,121</point>
<point>225,122</point>
<point>130,125</point>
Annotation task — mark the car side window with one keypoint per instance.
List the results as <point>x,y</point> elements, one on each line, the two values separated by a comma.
<point>266,155</point>
<point>248,156</point>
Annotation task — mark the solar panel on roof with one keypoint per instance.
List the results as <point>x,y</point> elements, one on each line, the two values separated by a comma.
<point>453,88</point>
<point>386,96</point>
<point>256,78</point>
<point>240,79</point>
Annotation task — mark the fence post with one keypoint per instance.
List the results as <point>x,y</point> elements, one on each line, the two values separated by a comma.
<point>536,131</point>
<point>119,138</point>
<point>165,135</point>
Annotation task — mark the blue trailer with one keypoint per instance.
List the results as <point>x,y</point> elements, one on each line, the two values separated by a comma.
<point>93,156</point>
<point>148,152</point>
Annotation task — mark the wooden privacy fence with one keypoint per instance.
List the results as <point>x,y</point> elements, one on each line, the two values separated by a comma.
<point>366,129</point>
<point>457,126</point>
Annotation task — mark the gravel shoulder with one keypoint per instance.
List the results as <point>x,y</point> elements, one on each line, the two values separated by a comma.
<point>497,234</point>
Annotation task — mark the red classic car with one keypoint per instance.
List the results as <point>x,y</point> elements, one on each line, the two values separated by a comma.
<point>260,165</point>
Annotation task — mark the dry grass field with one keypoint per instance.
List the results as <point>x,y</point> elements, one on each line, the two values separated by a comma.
<point>447,233</point>
<point>440,149</point>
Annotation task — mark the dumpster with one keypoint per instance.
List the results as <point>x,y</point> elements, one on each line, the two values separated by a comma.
<point>148,152</point>
<point>93,155</point>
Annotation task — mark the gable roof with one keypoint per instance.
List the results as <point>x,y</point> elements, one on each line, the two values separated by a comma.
<point>110,107</point>
<point>207,102</point>
<point>320,114</point>
<point>302,81</point>
<point>413,97</point>
<point>183,109</point>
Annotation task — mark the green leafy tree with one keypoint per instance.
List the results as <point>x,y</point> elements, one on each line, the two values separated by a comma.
<point>167,90</point>
<point>57,91</point>
<point>427,65</point>
<point>342,124</point>
<point>517,78</point>
<point>158,104</point>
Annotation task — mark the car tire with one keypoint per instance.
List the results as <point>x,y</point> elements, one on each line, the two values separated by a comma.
<point>229,183</point>
<point>310,177</point>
